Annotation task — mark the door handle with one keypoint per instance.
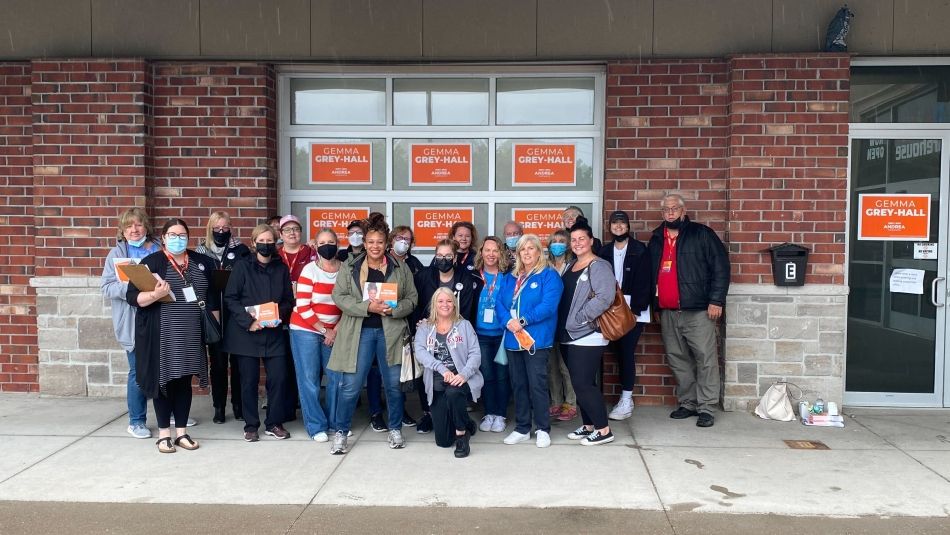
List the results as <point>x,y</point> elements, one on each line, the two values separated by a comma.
<point>933,291</point>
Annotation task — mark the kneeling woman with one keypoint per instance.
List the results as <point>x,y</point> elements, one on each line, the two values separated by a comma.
<point>446,345</point>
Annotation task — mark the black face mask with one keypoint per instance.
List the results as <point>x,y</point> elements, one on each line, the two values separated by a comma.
<point>674,225</point>
<point>620,237</point>
<point>327,251</point>
<point>265,249</point>
<point>221,238</point>
<point>444,265</point>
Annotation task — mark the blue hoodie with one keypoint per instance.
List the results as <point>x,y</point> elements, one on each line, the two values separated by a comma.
<point>537,304</point>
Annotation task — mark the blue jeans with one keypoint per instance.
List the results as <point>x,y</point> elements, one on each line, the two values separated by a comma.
<point>310,361</point>
<point>374,391</point>
<point>372,347</point>
<point>497,389</point>
<point>134,396</point>
<point>529,382</point>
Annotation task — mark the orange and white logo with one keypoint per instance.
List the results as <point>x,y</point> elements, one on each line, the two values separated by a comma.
<point>540,221</point>
<point>431,225</point>
<point>894,217</point>
<point>543,165</point>
<point>442,164</point>
<point>341,163</point>
<point>335,219</point>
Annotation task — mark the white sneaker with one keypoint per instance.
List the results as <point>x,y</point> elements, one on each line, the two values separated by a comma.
<point>139,431</point>
<point>190,423</point>
<point>622,410</point>
<point>543,439</point>
<point>498,426</point>
<point>515,437</point>
<point>487,421</point>
<point>320,437</point>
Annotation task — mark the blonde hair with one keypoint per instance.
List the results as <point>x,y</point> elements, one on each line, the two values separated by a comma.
<point>502,257</point>
<point>212,221</point>
<point>126,218</point>
<point>260,229</point>
<point>530,239</point>
<point>433,312</point>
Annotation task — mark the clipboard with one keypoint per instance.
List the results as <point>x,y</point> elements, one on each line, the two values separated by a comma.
<point>143,279</point>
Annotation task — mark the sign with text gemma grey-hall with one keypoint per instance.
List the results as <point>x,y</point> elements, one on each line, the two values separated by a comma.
<point>440,164</point>
<point>894,216</point>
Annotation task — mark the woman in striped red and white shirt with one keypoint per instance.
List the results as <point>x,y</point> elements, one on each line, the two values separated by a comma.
<point>312,331</point>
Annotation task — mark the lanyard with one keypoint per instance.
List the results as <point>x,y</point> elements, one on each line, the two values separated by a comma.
<point>465,258</point>
<point>290,261</point>
<point>491,289</point>
<point>671,243</point>
<point>518,286</point>
<point>181,270</point>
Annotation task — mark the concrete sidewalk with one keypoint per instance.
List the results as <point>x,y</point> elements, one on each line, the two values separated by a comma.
<point>884,463</point>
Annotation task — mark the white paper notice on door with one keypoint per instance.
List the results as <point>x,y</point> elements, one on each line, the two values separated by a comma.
<point>907,281</point>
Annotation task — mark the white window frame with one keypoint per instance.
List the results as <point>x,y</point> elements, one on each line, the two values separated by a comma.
<point>287,132</point>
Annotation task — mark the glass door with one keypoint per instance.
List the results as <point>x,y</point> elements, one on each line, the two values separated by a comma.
<point>897,269</point>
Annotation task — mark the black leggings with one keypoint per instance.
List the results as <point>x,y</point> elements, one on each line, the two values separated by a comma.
<point>175,400</point>
<point>449,413</point>
<point>583,363</point>
<point>219,379</point>
<point>626,349</point>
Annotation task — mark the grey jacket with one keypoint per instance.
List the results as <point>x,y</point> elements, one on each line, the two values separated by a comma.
<point>591,298</point>
<point>463,347</point>
<point>123,315</point>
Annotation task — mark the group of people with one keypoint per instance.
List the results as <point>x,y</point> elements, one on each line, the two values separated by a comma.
<point>490,320</point>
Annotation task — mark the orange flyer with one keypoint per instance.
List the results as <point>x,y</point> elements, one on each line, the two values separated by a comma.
<point>386,292</point>
<point>540,221</point>
<point>335,219</point>
<point>543,165</point>
<point>264,312</point>
<point>894,217</point>
<point>430,225</point>
<point>341,163</point>
<point>442,164</point>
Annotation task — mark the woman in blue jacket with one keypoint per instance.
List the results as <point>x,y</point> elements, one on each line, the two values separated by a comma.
<point>528,302</point>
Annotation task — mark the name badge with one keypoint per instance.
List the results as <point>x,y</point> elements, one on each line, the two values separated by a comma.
<point>667,266</point>
<point>190,295</point>
<point>488,316</point>
<point>584,277</point>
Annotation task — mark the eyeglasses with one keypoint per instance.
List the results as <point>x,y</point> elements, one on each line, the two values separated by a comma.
<point>404,240</point>
<point>671,210</point>
<point>444,257</point>
<point>291,230</point>
<point>221,229</point>
<point>172,235</point>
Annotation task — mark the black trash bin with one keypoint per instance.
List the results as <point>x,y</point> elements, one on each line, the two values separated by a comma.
<point>789,262</point>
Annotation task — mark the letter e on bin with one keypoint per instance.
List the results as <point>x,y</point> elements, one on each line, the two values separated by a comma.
<point>789,263</point>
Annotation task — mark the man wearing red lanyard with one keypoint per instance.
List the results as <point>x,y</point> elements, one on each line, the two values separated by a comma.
<point>691,266</point>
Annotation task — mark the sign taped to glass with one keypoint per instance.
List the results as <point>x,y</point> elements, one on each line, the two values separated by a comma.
<point>894,216</point>
<point>440,164</point>
<point>335,219</point>
<point>543,165</point>
<point>430,225</point>
<point>341,163</point>
<point>540,221</point>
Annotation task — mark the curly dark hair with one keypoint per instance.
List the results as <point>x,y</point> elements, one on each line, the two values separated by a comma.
<point>376,222</point>
<point>581,224</point>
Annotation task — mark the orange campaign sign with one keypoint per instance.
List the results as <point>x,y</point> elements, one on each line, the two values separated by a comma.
<point>341,163</point>
<point>442,164</point>
<point>429,225</point>
<point>543,165</point>
<point>540,221</point>
<point>335,219</point>
<point>894,217</point>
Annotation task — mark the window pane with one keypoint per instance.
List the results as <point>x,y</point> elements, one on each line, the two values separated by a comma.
<point>912,94</point>
<point>440,164</point>
<point>545,100</point>
<point>360,101</point>
<point>440,101</point>
<point>335,164</point>
<point>548,164</point>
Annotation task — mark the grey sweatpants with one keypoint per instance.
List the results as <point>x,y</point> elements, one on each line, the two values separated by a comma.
<point>689,337</point>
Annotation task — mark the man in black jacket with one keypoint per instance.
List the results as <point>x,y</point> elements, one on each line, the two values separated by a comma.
<point>691,271</point>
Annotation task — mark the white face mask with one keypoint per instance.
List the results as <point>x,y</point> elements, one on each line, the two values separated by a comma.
<point>400,247</point>
<point>356,239</point>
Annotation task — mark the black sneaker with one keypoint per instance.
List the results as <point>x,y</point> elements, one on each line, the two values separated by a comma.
<point>580,433</point>
<point>377,423</point>
<point>597,438</point>
<point>682,413</point>
<point>277,432</point>
<point>425,424</point>
<point>251,436</point>
<point>407,420</point>
<point>705,420</point>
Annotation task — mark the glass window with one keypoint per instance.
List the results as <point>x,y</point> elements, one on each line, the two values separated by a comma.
<point>356,101</point>
<point>550,164</point>
<point>321,163</point>
<point>900,94</point>
<point>440,101</point>
<point>545,101</point>
<point>440,164</point>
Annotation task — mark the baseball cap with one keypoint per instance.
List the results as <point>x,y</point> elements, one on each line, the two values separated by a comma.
<point>290,218</point>
<point>619,215</point>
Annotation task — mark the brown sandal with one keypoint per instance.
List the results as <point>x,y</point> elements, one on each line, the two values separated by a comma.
<point>186,442</point>
<point>165,445</point>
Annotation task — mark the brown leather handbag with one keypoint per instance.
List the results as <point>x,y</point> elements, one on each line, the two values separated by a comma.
<point>618,319</point>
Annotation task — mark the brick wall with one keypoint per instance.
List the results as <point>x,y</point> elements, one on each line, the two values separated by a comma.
<point>18,366</point>
<point>788,139</point>
<point>215,143</point>
<point>667,131</point>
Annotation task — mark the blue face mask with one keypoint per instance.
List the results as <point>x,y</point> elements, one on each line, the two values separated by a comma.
<point>558,249</point>
<point>137,243</point>
<point>176,245</point>
<point>512,241</point>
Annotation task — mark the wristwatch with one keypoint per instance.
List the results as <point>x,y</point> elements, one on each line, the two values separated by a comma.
<point>523,322</point>
<point>323,331</point>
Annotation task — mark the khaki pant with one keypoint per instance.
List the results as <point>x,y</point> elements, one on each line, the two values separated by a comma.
<point>689,337</point>
<point>559,380</point>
